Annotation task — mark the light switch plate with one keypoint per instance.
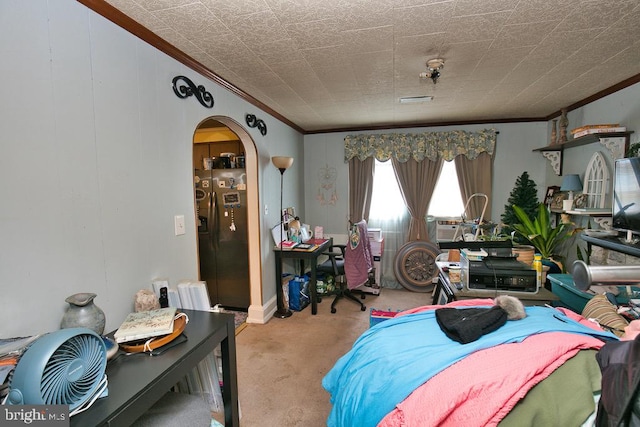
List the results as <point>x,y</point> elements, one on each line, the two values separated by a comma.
<point>222,184</point>
<point>178,223</point>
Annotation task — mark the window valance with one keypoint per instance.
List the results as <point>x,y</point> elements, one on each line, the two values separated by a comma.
<point>431,145</point>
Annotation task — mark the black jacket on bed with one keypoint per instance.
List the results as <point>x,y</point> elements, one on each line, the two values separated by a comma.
<point>620,365</point>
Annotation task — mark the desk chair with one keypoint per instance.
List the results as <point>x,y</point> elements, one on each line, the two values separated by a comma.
<point>353,264</point>
<point>334,266</point>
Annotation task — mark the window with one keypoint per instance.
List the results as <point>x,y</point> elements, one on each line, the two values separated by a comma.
<point>387,202</point>
<point>447,200</point>
<point>389,212</point>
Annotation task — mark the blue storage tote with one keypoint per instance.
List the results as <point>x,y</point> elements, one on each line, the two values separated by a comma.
<point>562,285</point>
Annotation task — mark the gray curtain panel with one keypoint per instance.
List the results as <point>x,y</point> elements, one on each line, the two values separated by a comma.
<point>417,181</point>
<point>360,188</point>
<point>475,176</point>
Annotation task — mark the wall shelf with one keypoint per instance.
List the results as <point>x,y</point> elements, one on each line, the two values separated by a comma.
<point>591,212</point>
<point>614,243</point>
<point>616,142</point>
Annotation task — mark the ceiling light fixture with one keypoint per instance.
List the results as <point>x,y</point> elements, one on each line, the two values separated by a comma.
<point>433,70</point>
<point>415,99</point>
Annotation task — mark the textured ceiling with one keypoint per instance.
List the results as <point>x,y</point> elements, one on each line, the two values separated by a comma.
<point>338,64</point>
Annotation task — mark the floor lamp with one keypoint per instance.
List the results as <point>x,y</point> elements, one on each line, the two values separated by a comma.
<point>282,163</point>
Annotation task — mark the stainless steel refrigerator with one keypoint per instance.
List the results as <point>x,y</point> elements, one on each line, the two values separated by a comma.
<point>221,207</point>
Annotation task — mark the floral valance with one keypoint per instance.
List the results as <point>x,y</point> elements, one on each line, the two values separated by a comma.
<point>431,145</point>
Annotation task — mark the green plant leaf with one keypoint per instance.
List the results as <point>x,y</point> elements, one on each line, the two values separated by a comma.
<point>539,232</point>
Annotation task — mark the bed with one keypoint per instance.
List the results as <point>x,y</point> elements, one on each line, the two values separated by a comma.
<point>405,371</point>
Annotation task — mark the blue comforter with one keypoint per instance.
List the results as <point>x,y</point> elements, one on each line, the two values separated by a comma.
<point>396,356</point>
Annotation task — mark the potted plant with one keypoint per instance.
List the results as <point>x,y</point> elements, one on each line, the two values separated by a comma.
<point>540,233</point>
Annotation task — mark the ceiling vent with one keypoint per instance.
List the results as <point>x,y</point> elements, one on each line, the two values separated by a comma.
<point>415,99</point>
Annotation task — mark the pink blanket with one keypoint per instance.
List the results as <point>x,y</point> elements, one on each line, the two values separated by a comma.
<point>482,388</point>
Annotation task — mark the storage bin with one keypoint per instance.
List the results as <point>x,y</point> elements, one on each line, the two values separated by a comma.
<point>377,316</point>
<point>571,297</point>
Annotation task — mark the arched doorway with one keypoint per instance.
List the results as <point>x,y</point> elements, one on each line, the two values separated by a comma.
<point>236,203</point>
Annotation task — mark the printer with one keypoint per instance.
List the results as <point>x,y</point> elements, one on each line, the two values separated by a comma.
<point>490,270</point>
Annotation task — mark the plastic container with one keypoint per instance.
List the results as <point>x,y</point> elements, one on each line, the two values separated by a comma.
<point>571,297</point>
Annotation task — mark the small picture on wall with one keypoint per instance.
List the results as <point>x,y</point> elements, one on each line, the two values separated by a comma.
<point>548,199</point>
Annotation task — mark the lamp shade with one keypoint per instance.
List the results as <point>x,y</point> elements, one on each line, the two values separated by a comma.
<point>282,162</point>
<point>571,183</point>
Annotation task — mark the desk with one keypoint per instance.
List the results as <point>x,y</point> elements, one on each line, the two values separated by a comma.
<point>445,289</point>
<point>312,256</point>
<point>137,381</point>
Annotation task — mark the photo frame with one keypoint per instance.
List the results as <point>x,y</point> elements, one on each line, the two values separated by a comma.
<point>558,198</point>
<point>288,214</point>
<point>581,201</point>
<point>551,191</point>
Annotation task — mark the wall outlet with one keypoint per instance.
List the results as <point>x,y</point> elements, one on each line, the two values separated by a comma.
<point>178,223</point>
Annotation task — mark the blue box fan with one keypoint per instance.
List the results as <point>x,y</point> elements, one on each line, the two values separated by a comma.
<point>65,367</point>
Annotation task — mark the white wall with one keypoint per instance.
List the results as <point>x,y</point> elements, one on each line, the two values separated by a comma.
<point>95,161</point>
<point>513,155</point>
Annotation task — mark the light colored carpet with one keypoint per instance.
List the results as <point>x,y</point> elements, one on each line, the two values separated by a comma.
<point>281,364</point>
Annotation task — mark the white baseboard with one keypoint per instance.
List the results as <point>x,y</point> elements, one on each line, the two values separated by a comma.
<point>262,313</point>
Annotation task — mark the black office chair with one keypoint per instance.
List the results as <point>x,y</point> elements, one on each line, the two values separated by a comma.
<point>334,266</point>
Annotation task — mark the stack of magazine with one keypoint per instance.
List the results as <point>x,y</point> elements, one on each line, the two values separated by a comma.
<point>142,325</point>
<point>203,380</point>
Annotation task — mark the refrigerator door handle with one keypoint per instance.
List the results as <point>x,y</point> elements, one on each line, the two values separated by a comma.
<point>212,216</point>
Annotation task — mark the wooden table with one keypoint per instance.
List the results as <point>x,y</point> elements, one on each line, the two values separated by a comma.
<point>444,288</point>
<point>312,257</point>
<point>137,381</point>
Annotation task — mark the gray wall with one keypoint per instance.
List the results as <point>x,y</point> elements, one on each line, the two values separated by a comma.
<point>621,107</point>
<point>95,161</point>
<point>513,155</point>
